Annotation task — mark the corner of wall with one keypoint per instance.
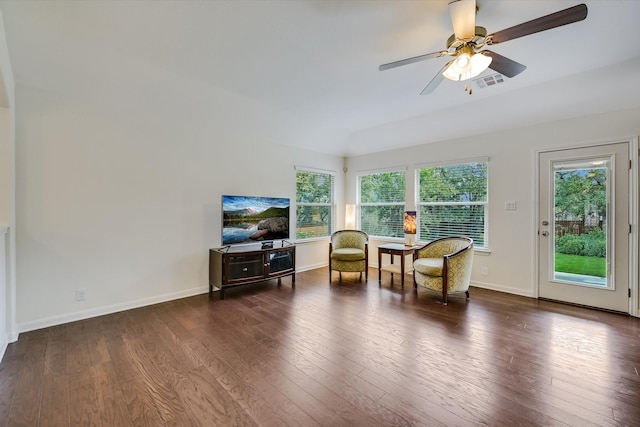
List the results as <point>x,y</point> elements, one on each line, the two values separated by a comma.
<point>8,307</point>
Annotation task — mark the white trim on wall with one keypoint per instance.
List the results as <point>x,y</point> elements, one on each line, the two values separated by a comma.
<point>381,170</point>
<point>9,307</point>
<point>452,162</point>
<point>316,170</point>
<point>634,187</point>
<point>500,288</point>
<point>110,309</point>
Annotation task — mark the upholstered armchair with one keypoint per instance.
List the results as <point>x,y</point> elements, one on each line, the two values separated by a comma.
<point>349,251</point>
<point>444,265</point>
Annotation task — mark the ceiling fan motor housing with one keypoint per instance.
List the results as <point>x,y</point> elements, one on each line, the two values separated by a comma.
<point>454,43</point>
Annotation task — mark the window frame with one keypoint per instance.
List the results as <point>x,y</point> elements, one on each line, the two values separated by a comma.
<point>360,204</point>
<point>331,204</point>
<point>485,203</point>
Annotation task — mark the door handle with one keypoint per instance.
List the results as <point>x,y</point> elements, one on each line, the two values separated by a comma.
<point>545,233</point>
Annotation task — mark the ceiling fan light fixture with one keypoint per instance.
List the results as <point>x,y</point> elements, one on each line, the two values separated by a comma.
<point>466,66</point>
<point>467,39</point>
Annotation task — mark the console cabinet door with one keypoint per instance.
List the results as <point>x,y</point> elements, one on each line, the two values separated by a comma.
<point>242,267</point>
<point>281,261</point>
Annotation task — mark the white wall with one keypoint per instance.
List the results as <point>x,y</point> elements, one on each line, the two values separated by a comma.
<point>8,329</point>
<point>124,201</point>
<point>4,336</point>
<point>511,178</point>
<point>6,183</point>
<point>6,180</point>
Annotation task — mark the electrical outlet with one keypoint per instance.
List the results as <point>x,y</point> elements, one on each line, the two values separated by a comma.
<point>81,294</point>
<point>484,271</point>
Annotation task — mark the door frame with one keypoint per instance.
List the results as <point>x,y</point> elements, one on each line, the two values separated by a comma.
<point>634,212</point>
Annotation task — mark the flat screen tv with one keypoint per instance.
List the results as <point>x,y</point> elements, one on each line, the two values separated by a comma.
<point>247,219</point>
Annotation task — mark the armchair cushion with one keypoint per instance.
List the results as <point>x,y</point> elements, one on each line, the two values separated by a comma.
<point>429,266</point>
<point>347,254</point>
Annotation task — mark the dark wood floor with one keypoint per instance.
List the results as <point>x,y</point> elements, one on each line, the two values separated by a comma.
<point>345,354</point>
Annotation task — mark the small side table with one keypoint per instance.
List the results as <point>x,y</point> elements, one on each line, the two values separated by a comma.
<point>395,249</point>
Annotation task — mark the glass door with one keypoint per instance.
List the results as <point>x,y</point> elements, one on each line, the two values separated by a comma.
<point>584,226</point>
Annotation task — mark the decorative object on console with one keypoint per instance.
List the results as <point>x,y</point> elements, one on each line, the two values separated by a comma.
<point>247,219</point>
<point>410,226</point>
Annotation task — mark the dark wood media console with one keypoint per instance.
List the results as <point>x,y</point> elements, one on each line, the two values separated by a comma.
<point>234,266</point>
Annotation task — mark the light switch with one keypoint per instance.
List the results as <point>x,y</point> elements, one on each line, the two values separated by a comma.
<point>510,205</point>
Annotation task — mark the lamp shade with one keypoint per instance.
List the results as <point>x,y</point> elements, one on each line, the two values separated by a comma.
<point>409,222</point>
<point>467,65</point>
<point>350,217</point>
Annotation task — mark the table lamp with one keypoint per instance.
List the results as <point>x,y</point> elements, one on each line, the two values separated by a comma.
<point>410,226</point>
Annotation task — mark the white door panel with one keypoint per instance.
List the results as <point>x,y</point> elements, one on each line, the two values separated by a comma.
<point>584,226</point>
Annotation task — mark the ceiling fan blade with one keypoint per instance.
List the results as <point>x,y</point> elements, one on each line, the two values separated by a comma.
<point>411,60</point>
<point>503,65</point>
<point>463,18</point>
<point>433,84</point>
<point>547,22</point>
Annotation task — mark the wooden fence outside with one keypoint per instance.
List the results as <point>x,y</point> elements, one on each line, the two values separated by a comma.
<point>573,227</point>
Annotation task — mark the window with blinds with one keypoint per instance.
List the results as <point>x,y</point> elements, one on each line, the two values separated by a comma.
<point>381,203</point>
<point>314,204</point>
<point>453,200</point>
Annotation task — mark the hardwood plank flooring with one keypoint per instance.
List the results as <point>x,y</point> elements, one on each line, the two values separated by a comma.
<point>347,353</point>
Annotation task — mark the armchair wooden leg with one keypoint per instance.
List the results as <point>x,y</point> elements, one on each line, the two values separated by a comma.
<point>360,279</point>
<point>467,292</point>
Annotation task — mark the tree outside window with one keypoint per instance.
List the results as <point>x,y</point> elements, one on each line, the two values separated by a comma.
<point>382,203</point>
<point>453,200</point>
<point>581,214</point>
<point>314,204</point>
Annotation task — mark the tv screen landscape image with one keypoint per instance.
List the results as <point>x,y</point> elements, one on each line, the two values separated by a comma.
<point>247,219</point>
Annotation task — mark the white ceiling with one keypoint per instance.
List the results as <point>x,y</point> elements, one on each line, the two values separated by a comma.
<point>305,73</point>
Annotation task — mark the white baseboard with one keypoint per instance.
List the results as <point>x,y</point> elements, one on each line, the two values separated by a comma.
<point>5,340</point>
<point>505,289</point>
<point>311,267</point>
<point>101,311</point>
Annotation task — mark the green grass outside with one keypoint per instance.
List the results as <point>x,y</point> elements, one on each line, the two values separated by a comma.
<point>577,264</point>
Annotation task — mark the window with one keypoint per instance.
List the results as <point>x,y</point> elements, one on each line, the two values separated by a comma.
<point>381,203</point>
<point>314,203</point>
<point>453,200</point>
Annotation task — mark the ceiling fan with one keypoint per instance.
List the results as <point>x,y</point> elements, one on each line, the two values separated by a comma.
<point>467,40</point>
